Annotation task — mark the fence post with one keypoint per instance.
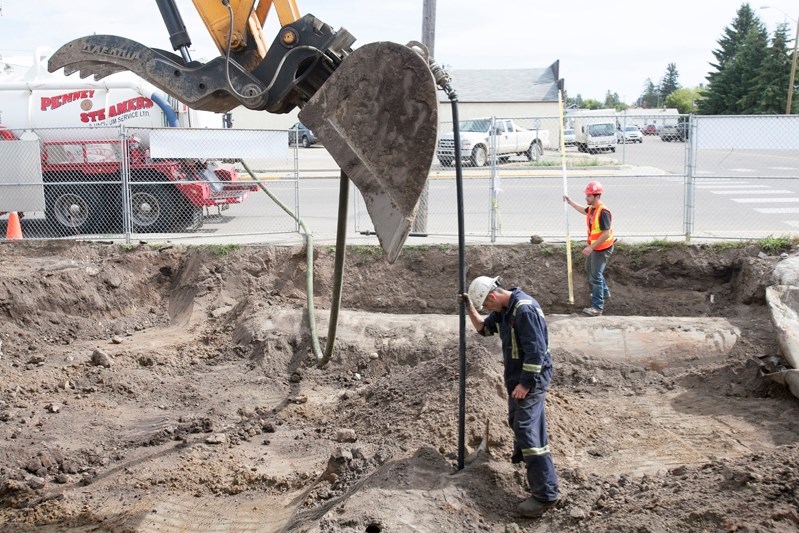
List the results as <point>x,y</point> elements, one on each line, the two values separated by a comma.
<point>690,183</point>
<point>124,176</point>
<point>493,177</point>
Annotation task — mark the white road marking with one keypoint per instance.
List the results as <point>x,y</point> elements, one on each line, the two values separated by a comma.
<point>765,200</point>
<point>775,191</point>
<point>777,210</point>
<point>732,186</point>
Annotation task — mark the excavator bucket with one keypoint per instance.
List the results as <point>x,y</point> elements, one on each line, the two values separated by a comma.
<point>377,115</point>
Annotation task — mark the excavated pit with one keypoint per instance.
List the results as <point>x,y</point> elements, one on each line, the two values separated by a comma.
<point>174,389</point>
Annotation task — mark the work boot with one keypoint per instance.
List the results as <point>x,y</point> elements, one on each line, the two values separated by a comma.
<point>532,508</point>
<point>592,311</point>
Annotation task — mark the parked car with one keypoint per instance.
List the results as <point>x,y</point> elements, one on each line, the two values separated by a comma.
<point>629,134</point>
<point>674,132</point>
<point>650,129</point>
<point>301,134</point>
<point>569,139</point>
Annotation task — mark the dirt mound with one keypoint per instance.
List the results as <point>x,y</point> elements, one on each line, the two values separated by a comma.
<point>162,388</point>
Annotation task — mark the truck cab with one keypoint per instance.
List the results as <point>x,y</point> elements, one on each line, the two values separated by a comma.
<point>482,137</point>
<point>593,136</point>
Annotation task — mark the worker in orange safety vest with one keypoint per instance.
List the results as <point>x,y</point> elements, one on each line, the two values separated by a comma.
<point>600,244</point>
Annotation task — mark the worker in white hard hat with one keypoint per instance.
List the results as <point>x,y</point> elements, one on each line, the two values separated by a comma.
<point>600,244</point>
<point>518,319</point>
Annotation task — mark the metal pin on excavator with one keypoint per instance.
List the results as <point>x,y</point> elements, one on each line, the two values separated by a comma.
<point>374,108</point>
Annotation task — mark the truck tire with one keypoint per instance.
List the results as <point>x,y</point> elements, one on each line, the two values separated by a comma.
<point>73,209</point>
<point>535,152</point>
<point>162,209</point>
<point>306,142</point>
<point>479,158</point>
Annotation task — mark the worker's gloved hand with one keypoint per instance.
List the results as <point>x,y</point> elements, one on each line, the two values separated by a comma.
<point>465,299</point>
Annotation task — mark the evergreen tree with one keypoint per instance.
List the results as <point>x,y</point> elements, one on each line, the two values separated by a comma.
<point>770,87</point>
<point>611,100</point>
<point>669,83</point>
<point>650,98</point>
<point>724,85</point>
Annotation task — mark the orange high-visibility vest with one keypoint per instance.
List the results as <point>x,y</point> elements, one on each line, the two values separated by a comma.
<point>592,219</point>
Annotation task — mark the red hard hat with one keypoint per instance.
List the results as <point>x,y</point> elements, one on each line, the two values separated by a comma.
<point>593,187</point>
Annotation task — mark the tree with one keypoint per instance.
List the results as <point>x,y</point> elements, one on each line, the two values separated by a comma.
<point>612,100</point>
<point>727,84</point>
<point>769,90</point>
<point>590,103</point>
<point>577,101</point>
<point>684,100</point>
<point>669,83</point>
<point>650,98</point>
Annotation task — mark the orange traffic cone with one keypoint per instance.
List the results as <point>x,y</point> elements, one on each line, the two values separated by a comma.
<point>14,229</point>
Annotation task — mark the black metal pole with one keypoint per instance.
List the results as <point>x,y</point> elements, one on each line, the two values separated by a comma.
<point>461,282</point>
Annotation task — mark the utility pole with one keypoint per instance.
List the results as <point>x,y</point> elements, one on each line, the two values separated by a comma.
<point>429,40</point>
<point>788,107</point>
<point>429,26</point>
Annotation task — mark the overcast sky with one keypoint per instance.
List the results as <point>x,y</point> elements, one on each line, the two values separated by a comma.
<point>612,45</point>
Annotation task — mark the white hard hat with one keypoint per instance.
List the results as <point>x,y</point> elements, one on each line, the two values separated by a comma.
<point>479,289</point>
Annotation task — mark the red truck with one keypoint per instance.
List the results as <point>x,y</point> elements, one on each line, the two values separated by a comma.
<point>77,173</point>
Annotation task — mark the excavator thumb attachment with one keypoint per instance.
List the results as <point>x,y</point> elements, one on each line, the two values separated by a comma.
<point>377,115</point>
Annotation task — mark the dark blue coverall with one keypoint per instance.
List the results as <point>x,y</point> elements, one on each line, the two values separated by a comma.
<point>525,352</point>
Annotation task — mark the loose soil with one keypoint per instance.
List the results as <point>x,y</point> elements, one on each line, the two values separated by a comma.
<point>174,389</point>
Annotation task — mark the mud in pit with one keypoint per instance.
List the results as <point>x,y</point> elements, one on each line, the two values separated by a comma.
<point>174,389</point>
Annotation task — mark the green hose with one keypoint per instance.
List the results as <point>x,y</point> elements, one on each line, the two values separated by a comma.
<point>338,273</point>
<point>317,350</point>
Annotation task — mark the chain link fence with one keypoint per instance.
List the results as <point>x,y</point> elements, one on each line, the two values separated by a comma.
<point>149,183</point>
<point>665,176</point>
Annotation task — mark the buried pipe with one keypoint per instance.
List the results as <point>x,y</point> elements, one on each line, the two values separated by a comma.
<point>317,350</point>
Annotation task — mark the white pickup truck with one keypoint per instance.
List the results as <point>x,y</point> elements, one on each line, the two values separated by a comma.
<point>478,138</point>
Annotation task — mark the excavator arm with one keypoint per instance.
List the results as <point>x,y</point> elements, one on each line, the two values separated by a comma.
<point>374,108</point>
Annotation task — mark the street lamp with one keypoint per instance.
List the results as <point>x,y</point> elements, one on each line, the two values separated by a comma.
<point>793,63</point>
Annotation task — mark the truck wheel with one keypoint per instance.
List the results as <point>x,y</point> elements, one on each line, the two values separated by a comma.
<point>535,152</point>
<point>479,156</point>
<point>72,209</point>
<point>161,208</point>
<point>306,143</point>
<point>152,209</point>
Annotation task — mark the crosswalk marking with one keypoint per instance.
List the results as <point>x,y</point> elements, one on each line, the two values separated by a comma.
<point>755,194</point>
<point>777,210</point>
<point>731,186</point>
<point>765,200</point>
<point>775,191</point>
